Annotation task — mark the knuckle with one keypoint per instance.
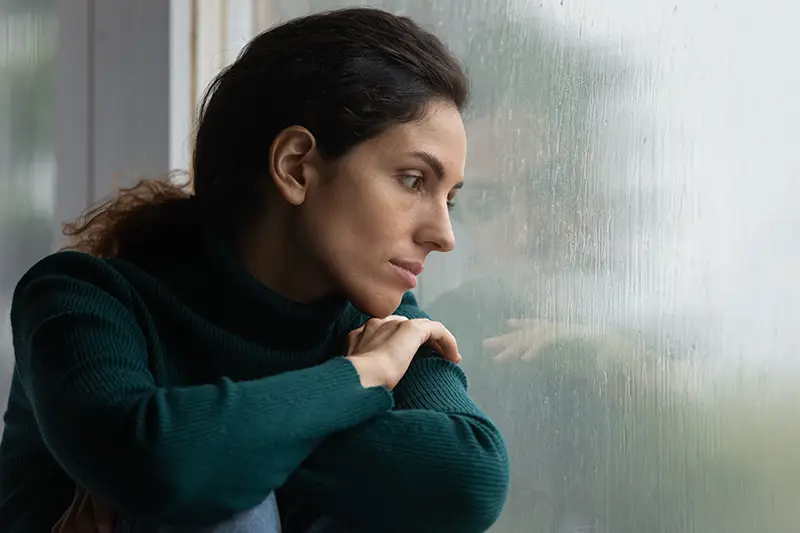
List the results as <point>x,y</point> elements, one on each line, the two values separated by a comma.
<point>372,324</point>
<point>416,325</point>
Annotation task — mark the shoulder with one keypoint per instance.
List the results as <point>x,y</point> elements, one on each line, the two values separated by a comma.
<point>73,268</point>
<point>67,281</point>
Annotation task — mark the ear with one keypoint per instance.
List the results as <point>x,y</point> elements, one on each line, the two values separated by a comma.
<point>292,163</point>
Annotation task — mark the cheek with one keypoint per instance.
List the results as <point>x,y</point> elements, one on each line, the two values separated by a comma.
<point>358,229</point>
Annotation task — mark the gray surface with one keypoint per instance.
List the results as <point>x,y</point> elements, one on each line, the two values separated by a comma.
<point>112,98</point>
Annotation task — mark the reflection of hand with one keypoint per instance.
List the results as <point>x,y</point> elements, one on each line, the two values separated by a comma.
<point>528,337</point>
<point>86,515</point>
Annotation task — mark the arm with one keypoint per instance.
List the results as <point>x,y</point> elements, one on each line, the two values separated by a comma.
<point>436,463</point>
<point>162,455</point>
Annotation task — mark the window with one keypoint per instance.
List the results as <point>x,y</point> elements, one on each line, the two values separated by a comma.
<point>623,288</point>
<point>27,159</point>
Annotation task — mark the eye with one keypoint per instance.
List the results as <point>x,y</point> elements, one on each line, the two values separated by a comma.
<point>411,181</point>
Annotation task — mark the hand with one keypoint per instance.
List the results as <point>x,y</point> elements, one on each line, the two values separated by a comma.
<point>528,338</point>
<point>86,514</point>
<point>382,349</point>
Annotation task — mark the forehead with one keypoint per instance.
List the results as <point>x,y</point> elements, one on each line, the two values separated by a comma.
<point>439,133</point>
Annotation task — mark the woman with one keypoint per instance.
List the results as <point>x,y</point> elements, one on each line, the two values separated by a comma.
<point>215,349</point>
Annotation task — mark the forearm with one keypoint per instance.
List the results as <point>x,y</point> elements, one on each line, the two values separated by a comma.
<point>157,453</point>
<point>196,454</point>
<point>439,459</point>
<point>202,453</point>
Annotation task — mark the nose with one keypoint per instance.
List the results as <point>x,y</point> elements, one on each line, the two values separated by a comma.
<point>436,233</point>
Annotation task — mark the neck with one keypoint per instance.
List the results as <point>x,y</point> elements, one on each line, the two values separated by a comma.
<point>270,253</point>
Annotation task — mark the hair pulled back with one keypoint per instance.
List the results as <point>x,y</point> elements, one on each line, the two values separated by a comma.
<point>345,75</point>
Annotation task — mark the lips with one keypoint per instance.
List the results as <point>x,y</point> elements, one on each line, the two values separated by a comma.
<point>407,272</point>
<point>415,267</point>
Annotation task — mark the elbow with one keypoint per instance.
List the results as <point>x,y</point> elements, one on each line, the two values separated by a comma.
<point>479,498</point>
<point>474,490</point>
<point>480,511</point>
<point>480,486</point>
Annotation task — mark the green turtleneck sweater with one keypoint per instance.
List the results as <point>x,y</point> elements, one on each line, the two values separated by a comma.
<point>180,390</point>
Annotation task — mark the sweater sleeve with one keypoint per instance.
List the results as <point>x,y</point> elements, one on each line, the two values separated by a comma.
<point>162,455</point>
<point>434,464</point>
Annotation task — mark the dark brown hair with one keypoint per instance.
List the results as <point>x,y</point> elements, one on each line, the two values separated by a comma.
<point>345,75</point>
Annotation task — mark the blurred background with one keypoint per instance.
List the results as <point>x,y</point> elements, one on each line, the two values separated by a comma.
<point>623,288</point>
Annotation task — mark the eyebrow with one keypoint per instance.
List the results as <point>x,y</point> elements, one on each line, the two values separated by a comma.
<point>436,165</point>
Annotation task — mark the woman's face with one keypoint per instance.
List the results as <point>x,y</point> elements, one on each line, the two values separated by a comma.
<point>380,210</point>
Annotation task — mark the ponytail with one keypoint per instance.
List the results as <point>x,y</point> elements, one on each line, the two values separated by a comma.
<point>134,220</point>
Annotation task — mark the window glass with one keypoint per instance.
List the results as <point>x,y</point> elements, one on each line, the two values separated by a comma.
<point>27,160</point>
<point>623,288</point>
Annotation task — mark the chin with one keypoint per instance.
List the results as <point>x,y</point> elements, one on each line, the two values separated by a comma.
<point>379,303</point>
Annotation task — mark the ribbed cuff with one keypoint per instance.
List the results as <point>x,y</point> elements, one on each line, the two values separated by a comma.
<point>344,379</point>
<point>434,384</point>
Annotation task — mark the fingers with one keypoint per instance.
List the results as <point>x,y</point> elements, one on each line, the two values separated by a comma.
<point>525,342</point>
<point>435,334</point>
<point>501,341</point>
<point>370,327</point>
<point>429,332</point>
<point>374,324</point>
<point>352,340</point>
<point>436,346</point>
<point>531,354</point>
<point>514,346</point>
<point>525,351</point>
<point>507,355</point>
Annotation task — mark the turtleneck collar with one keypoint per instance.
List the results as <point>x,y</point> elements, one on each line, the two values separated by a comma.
<point>214,281</point>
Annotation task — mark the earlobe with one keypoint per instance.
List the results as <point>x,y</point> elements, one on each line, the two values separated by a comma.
<point>291,158</point>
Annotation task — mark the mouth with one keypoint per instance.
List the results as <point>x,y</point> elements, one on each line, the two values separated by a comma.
<point>408,271</point>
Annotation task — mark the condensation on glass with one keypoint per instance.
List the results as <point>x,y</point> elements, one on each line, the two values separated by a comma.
<point>27,160</point>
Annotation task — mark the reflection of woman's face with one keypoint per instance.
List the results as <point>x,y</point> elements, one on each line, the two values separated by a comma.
<point>517,214</point>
